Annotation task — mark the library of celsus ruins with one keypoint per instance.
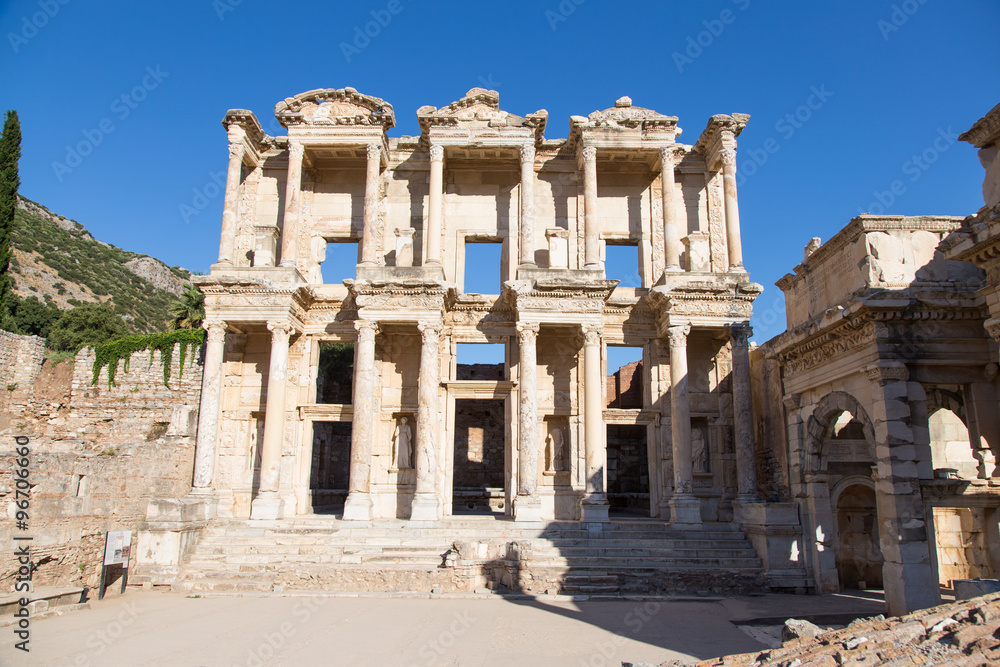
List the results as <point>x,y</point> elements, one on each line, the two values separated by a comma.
<point>397,429</point>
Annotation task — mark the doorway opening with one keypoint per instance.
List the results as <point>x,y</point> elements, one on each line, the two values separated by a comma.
<point>478,479</point>
<point>628,470</point>
<point>482,273</point>
<point>480,361</point>
<point>859,558</point>
<point>331,464</point>
<point>335,375</point>
<point>339,262</point>
<point>624,381</point>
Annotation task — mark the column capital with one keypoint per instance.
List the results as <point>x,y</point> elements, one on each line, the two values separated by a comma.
<point>280,330</point>
<point>237,149</point>
<point>429,330</point>
<point>296,150</point>
<point>215,330</point>
<point>591,333</point>
<point>589,153</point>
<point>527,154</point>
<point>366,329</point>
<point>728,158</point>
<point>437,152</point>
<point>527,332</point>
<point>374,151</point>
<point>669,155</point>
<point>677,335</point>
<point>741,332</point>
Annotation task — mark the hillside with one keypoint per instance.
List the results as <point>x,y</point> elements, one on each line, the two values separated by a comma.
<point>58,260</point>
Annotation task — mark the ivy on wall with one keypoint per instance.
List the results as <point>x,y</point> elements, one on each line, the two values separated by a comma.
<point>109,354</point>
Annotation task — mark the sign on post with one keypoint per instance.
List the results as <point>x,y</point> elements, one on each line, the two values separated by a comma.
<point>117,549</point>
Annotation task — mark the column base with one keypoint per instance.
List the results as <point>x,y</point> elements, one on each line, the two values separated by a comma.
<point>527,508</point>
<point>425,507</point>
<point>738,504</point>
<point>266,507</point>
<point>594,509</point>
<point>207,497</point>
<point>685,512</point>
<point>358,507</point>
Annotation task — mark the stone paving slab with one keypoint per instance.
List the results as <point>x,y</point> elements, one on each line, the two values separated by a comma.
<point>155,628</point>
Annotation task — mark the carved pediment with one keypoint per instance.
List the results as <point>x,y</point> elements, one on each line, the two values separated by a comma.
<point>479,108</point>
<point>624,115</point>
<point>330,106</point>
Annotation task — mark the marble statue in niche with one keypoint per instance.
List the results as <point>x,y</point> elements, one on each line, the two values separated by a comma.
<point>402,444</point>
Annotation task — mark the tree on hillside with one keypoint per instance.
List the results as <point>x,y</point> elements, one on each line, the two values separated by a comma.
<point>32,317</point>
<point>189,311</point>
<point>10,153</point>
<point>91,324</point>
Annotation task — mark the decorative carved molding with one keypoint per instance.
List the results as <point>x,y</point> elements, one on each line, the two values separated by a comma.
<point>888,371</point>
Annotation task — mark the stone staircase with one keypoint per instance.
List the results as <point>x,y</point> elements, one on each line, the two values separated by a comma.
<point>467,554</point>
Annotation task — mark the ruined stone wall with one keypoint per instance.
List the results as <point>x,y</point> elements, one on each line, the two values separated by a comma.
<point>97,455</point>
<point>20,359</point>
<point>769,423</point>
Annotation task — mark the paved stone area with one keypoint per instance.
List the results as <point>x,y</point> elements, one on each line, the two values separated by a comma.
<point>152,628</point>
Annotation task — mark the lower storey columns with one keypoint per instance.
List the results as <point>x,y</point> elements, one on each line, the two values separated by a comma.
<point>527,504</point>
<point>684,507</point>
<point>358,506</point>
<point>746,460</point>
<point>208,411</point>
<point>426,505</point>
<point>267,504</point>
<point>594,505</point>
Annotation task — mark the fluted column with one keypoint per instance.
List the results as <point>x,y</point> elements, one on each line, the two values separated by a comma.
<point>732,210</point>
<point>267,504</point>
<point>671,233</point>
<point>358,506</point>
<point>208,409</point>
<point>237,149</point>
<point>426,504</point>
<point>435,204</point>
<point>746,462</point>
<point>592,248</point>
<point>527,222</point>
<point>370,234</point>
<point>527,504</point>
<point>594,505</point>
<point>293,196</point>
<point>684,507</point>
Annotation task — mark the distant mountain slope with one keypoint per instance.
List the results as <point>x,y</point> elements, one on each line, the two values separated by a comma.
<point>58,260</point>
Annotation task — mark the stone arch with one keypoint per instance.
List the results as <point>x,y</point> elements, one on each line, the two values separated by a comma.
<point>821,423</point>
<point>938,398</point>
<point>859,556</point>
<point>946,435</point>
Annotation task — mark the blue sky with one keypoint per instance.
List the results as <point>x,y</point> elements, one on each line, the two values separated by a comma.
<point>886,81</point>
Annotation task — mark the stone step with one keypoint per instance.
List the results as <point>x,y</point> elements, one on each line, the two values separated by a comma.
<point>651,563</point>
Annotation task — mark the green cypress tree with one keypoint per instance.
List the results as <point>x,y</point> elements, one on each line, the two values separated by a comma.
<point>10,153</point>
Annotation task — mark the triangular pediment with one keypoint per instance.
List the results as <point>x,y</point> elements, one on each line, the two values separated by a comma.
<point>331,106</point>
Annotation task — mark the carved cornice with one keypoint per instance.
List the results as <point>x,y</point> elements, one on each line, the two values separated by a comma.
<point>480,108</point>
<point>330,106</point>
<point>984,131</point>
<point>885,372</point>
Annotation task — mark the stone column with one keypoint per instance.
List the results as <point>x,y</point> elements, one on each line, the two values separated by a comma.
<point>293,195</point>
<point>684,507</point>
<point>671,233</point>
<point>746,459</point>
<point>435,205</point>
<point>592,247</point>
<point>527,222</point>
<point>358,506</point>
<point>594,505</point>
<point>732,210</point>
<point>426,504</point>
<point>527,504</point>
<point>370,234</point>
<point>237,149</point>
<point>208,410</point>
<point>267,504</point>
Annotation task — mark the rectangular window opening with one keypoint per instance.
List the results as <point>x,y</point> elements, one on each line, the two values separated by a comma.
<point>480,361</point>
<point>482,267</point>
<point>622,263</point>
<point>624,381</point>
<point>340,263</point>
<point>335,375</point>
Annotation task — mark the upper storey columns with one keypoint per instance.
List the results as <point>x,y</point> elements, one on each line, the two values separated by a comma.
<point>592,247</point>
<point>733,240</point>
<point>435,214</point>
<point>369,250</point>
<point>237,151</point>
<point>527,222</point>
<point>671,233</point>
<point>293,197</point>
